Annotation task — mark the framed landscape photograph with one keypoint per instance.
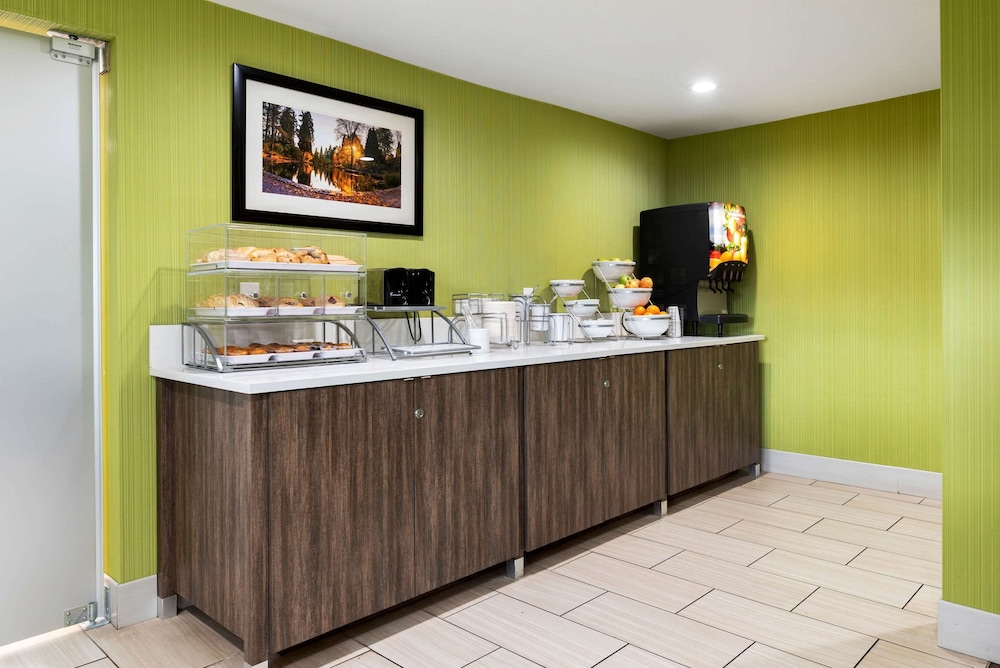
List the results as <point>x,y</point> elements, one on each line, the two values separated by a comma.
<point>311,155</point>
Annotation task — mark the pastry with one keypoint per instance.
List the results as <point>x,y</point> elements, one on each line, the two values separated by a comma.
<point>312,301</point>
<point>323,345</point>
<point>289,301</point>
<point>263,255</point>
<point>285,255</point>
<point>302,347</point>
<point>241,301</point>
<point>245,250</point>
<point>256,350</point>
<point>267,302</point>
<point>231,351</point>
<point>223,254</point>
<point>343,344</point>
<point>311,254</point>
<point>333,300</point>
<point>339,259</point>
<point>215,301</point>
<point>305,258</point>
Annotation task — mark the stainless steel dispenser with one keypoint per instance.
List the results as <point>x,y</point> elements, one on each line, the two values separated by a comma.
<point>695,254</point>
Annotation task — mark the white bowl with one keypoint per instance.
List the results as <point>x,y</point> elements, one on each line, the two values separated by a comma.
<point>597,329</point>
<point>646,325</point>
<point>582,308</point>
<point>613,270</point>
<point>629,298</point>
<point>567,288</point>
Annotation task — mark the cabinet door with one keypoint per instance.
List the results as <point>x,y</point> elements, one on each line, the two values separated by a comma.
<point>740,426</point>
<point>713,413</point>
<point>694,452</point>
<point>633,447</point>
<point>341,506</point>
<point>564,479</point>
<point>467,490</point>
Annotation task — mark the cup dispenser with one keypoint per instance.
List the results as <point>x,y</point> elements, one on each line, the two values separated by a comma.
<point>695,254</point>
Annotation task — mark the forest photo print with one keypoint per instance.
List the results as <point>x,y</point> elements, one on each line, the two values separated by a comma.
<point>308,154</point>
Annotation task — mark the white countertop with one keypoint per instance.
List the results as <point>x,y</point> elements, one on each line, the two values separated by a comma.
<point>165,362</point>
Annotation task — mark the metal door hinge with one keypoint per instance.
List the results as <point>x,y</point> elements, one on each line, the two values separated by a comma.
<point>80,614</point>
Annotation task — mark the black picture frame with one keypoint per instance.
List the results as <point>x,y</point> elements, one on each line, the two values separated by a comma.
<point>371,184</point>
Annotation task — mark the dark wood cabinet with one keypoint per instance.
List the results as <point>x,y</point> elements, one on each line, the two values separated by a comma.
<point>287,515</point>
<point>341,515</point>
<point>594,443</point>
<point>713,413</point>
<point>467,474</point>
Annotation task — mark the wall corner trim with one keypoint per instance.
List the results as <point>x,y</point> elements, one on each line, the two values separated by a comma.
<point>846,472</point>
<point>969,630</point>
<point>131,602</point>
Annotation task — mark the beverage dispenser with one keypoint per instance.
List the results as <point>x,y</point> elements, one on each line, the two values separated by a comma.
<point>695,254</point>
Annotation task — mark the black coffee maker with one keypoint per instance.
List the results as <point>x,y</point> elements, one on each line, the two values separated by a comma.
<point>695,254</point>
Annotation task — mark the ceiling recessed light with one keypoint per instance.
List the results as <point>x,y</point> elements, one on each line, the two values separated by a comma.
<point>703,86</point>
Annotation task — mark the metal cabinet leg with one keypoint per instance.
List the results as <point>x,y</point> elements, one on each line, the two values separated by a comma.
<point>660,508</point>
<point>166,607</point>
<point>515,567</point>
<point>754,470</point>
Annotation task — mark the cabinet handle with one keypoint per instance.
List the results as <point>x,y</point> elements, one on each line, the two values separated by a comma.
<point>607,383</point>
<point>720,366</point>
<point>419,413</point>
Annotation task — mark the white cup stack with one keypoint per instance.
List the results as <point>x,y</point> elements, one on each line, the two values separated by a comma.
<point>676,328</point>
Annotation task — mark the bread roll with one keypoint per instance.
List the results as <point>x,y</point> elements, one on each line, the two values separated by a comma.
<point>287,256</point>
<point>215,301</point>
<point>241,301</point>
<point>289,301</point>
<point>223,254</point>
<point>263,255</point>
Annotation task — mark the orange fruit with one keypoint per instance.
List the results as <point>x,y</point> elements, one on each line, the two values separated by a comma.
<point>639,310</point>
<point>726,257</point>
<point>652,309</point>
<point>646,282</point>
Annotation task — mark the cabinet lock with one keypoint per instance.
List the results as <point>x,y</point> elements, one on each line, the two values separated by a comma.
<point>607,383</point>
<point>720,366</point>
<point>419,413</point>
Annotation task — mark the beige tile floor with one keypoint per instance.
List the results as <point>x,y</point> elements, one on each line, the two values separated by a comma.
<point>773,572</point>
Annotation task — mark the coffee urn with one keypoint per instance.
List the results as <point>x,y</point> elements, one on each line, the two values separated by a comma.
<point>695,254</point>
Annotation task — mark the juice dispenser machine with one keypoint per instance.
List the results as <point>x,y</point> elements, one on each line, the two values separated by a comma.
<point>695,254</point>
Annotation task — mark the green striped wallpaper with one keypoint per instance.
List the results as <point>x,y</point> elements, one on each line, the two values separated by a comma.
<point>843,209</point>
<point>970,121</point>
<point>516,192</point>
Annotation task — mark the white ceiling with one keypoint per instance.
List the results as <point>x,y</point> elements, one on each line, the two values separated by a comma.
<point>631,61</point>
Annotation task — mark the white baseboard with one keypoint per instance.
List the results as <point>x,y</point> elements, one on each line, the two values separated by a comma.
<point>131,602</point>
<point>846,472</point>
<point>969,631</point>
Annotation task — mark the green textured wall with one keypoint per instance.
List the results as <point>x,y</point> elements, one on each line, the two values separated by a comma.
<point>970,122</point>
<point>844,214</point>
<point>516,192</point>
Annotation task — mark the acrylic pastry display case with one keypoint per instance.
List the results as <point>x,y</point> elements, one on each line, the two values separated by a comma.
<point>261,296</point>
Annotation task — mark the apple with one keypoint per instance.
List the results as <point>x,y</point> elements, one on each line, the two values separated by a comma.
<point>646,282</point>
<point>623,280</point>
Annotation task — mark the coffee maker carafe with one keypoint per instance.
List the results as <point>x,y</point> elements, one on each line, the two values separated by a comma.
<point>695,254</point>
